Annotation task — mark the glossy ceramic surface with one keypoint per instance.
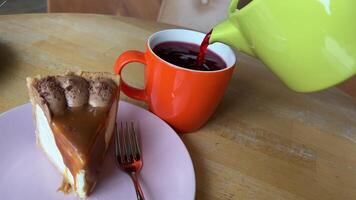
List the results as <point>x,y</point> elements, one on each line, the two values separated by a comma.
<point>182,97</point>
<point>309,44</point>
<point>26,173</point>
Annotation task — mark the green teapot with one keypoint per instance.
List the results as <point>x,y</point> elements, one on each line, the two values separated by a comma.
<point>309,44</point>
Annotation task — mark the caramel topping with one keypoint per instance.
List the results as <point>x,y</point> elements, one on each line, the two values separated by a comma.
<point>80,127</point>
<point>80,137</point>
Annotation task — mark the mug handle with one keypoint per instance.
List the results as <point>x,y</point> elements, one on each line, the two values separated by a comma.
<point>124,59</point>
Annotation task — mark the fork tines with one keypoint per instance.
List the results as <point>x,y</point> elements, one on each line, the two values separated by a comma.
<point>128,153</point>
<point>126,144</point>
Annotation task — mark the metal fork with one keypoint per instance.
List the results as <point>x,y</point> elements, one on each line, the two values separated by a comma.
<point>128,154</point>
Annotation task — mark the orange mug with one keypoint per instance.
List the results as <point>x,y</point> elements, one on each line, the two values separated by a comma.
<point>182,97</point>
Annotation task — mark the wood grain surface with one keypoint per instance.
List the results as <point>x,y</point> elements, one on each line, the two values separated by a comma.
<point>263,142</point>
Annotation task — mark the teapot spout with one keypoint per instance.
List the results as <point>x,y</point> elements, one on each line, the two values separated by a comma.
<point>228,33</point>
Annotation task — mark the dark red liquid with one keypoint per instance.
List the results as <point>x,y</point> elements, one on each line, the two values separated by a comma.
<point>185,55</point>
<point>203,48</point>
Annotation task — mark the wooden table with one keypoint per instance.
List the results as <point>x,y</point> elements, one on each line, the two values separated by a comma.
<point>263,142</point>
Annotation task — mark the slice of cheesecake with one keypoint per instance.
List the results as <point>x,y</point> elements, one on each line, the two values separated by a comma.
<point>75,117</point>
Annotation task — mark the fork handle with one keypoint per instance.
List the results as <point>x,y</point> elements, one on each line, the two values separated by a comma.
<point>139,192</point>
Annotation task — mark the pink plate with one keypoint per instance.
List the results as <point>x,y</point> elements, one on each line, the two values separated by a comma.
<point>25,172</point>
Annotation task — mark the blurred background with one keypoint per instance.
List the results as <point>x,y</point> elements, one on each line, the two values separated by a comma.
<point>195,14</point>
